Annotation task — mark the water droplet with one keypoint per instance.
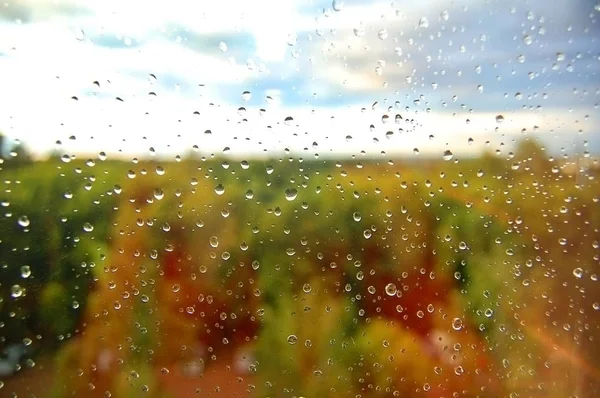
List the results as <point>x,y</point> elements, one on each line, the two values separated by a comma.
<point>292,38</point>
<point>499,118</point>
<point>578,273</point>
<point>16,291</point>
<point>356,216</point>
<point>359,32</point>
<point>23,221</point>
<point>367,233</point>
<point>87,227</point>
<point>390,289</point>
<point>291,194</point>
<point>288,121</point>
<point>292,339</point>
<point>382,34</point>
<point>337,5</point>
<point>158,193</point>
<point>214,241</point>
<point>457,324</point>
<point>25,271</point>
<point>246,95</point>
<point>79,34</point>
<point>447,155</point>
<point>444,15</point>
<point>562,241</point>
<point>223,46</point>
<point>423,23</point>
<point>220,189</point>
<point>527,40</point>
<point>560,56</point>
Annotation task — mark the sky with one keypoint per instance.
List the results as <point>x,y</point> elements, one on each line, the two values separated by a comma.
<point>135,78</point>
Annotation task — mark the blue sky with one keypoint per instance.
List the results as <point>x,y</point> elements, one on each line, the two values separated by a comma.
<point>447,67</point>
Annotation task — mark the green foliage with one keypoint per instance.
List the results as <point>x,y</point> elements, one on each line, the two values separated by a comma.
<point>302,267</point>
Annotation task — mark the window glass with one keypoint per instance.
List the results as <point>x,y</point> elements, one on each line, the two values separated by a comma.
<point>299,198</point>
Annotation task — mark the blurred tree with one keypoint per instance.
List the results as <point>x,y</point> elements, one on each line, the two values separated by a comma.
<point>532,158</point>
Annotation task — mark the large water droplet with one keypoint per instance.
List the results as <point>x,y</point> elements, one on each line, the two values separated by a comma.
<point>220,189</point>
<point>25,271</point>
<point>16,291</point>
<point>291,194</point>
<point>23,221</point>
<point>390,289</point>
<point>79,34</point>
<point>447,155</point>
<point>382,34</point>
<point>499,118</point>
<point>337,5</point>
<point>457,324</point>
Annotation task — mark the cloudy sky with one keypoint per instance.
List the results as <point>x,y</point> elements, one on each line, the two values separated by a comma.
<point>137,78</point>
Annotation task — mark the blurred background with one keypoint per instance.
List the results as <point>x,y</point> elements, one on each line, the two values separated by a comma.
<point>299,199</point>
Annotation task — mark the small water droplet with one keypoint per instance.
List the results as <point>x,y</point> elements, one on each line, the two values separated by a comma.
<point>220,189</point>
<point>499,118</point>
<point>246,95</point>
<point>87,227</point>
<point>447,155</point>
